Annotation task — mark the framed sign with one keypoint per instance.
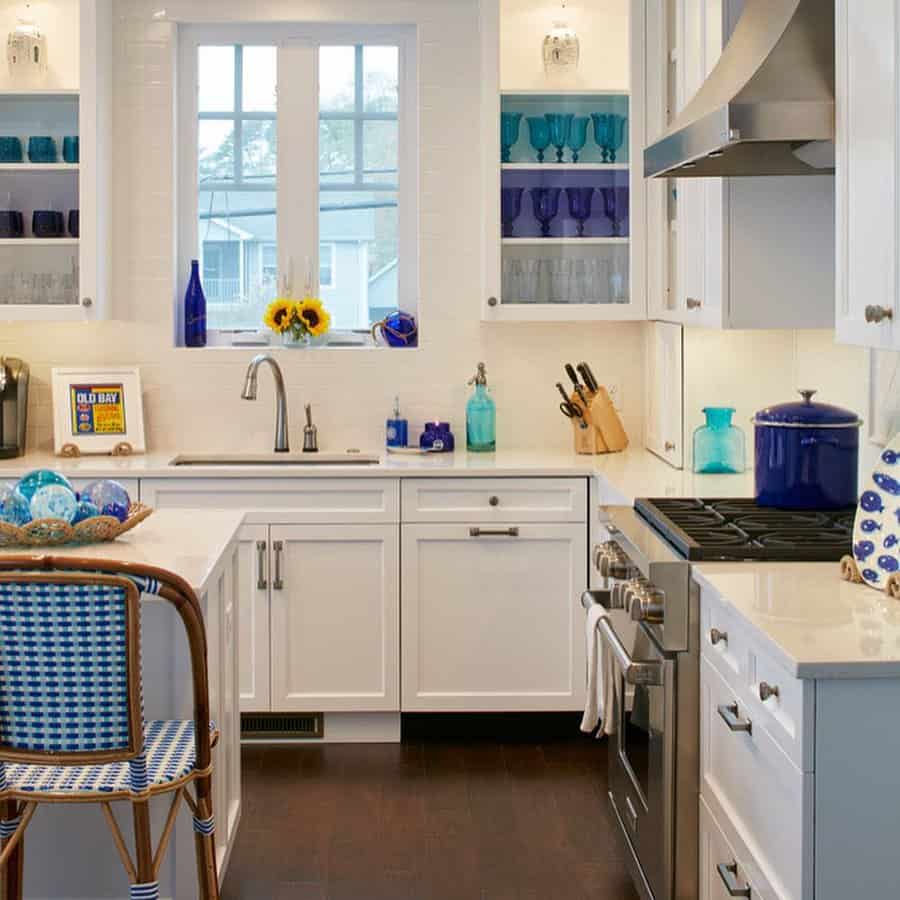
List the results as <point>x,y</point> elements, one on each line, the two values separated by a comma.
<point>97,410</point>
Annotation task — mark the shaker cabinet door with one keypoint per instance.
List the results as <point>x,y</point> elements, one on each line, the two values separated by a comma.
<point>335,618</point>
<point>253,617</point>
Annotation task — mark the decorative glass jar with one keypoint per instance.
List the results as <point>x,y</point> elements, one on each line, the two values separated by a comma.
<point>719,445</point>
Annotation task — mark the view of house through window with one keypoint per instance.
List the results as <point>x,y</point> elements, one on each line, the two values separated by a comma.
<point>238,185</point>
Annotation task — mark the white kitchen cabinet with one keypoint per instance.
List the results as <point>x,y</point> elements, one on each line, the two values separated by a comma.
<point>664,421</point>
<point>723,871</point>
<point>563,272</point>
<point>253,617</point>
<point>730,252</point>
<point>335,618</point>
<point>867,151</point>
<point>491,619</point>
<point>62,278</point>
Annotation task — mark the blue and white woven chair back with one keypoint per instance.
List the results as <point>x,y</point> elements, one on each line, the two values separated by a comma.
<point>70,680</point>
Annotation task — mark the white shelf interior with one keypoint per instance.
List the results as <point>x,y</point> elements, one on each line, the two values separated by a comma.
<point>565,167</point>
<point>39,242</point>
<point>550,241</point>
<point>23,167</point>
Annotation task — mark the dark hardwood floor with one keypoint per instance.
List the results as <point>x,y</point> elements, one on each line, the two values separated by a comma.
<point>428,819</point>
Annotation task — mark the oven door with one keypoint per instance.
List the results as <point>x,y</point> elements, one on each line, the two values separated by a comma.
<point>642,759</point>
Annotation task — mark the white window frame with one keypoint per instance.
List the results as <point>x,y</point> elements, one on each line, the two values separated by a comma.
<point>297,225</point>
<point>332,254</point>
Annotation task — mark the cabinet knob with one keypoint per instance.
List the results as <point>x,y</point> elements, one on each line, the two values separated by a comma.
<point>669,446</point>
<point>694,303</point>
<point>492,301</point>
<point>87,302</point>
<point>494,501</point>
<point>718,637</point>
<point>767,690</point>
<point>876,314</point>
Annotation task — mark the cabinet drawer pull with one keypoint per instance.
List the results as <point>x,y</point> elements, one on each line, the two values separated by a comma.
<point>876,314</point>
<point>494,500</point>
<point>277,583</point>
<point>693,303</point>
<point>718,637</point>
<point>767,690</point>
<point>494,532</point>
<point>669,446</point>
<point>261,581</point>
<point>728,874</point>
<point>729,714</point>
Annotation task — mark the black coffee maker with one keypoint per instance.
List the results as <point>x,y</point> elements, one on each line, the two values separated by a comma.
<point>13,406</point>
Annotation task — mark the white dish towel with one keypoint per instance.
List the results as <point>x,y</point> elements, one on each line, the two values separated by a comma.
<point>601,693</point>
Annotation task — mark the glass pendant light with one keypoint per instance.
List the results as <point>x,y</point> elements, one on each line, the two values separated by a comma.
<point>26,46</point>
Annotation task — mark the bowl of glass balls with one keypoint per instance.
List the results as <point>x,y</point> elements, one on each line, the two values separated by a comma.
<point>42,509</point>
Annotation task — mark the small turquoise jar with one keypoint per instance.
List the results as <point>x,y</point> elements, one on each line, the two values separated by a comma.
<point>719,446</point>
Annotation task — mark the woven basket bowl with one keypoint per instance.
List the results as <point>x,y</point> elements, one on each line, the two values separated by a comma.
<point>54,532</point>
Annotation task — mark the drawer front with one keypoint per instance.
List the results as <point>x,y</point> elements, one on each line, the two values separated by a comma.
<point>747,777</point>
<point>488,500</point>
<point>276,500</point>
<point>725,870</point>
<point>781,702</point>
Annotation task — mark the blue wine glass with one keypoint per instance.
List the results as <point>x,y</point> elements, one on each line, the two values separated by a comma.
<point>538,135</point>
<point>545,203</point>
<point>610,208</point>
<point>601,133</point>
<point>509,132</point>
<point>560,125</point>
<point>510,208</point>
<point>580,205</point>
<point>578,135</point>
<point>615,134</point>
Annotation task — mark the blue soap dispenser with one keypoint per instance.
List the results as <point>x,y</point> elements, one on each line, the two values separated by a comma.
<point>481,416</point>
<point>396,430</point>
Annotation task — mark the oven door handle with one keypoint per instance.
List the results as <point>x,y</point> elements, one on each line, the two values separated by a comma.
<point>649,673</point>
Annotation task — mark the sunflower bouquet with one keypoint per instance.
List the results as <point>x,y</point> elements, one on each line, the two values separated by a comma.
<point>299,318</point>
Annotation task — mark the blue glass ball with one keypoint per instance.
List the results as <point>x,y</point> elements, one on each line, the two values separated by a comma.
<point>54,501</point>
<point>110,498</point>
<point>14,508</point>
<point>399,329</point>
<point>33,481</point>
<point>85,510</point>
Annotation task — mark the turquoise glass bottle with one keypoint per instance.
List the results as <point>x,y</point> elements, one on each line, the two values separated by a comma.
<point>481,416</point>
<point>719,445</point>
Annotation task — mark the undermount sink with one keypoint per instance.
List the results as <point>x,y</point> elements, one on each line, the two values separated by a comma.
<point>347,458</point>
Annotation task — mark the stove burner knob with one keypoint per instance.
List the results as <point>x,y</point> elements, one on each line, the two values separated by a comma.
<point>618,567</point>
<point>632,592</point>
<point>617,596</point>
<point>649,607</point>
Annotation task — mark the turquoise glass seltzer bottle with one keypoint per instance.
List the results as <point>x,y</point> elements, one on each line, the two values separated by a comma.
<point>719,445</point>
<point>481,416</point>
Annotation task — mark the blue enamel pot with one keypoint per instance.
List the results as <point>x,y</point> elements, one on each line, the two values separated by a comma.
<point>806,455</point>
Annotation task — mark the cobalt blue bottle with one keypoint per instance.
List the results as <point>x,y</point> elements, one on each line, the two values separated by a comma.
<point>194,310</point>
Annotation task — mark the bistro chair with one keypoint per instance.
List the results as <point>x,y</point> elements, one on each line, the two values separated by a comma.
<point>71,711</point>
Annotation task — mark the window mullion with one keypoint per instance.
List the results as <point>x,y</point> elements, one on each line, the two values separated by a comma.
<point>358,120</point>
<point>238,111</point>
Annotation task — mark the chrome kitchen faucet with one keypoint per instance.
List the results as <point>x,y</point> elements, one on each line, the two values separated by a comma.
<point>249,393</point>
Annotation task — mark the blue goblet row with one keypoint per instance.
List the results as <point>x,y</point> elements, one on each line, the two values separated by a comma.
<point>562,130</point>
<point>545,206</point>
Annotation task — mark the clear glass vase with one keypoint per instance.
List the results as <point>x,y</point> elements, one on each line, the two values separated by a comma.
<point>719,445</point>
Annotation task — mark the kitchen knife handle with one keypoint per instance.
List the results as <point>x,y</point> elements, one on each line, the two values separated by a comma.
<point>587,376</point>
<point>573,377</point>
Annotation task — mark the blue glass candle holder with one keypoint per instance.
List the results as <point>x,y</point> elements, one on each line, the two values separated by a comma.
<point>538,135</point>
<point>71,149</point>
<point>578,135</point>
<point>510,208</point>
<point>10,150</point>
<point>560,124</point>
<point>42,149</point>
<point>509,132</point>
<point>437,438</point>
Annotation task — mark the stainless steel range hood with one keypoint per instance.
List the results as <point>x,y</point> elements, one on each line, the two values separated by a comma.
<point>767,108</point>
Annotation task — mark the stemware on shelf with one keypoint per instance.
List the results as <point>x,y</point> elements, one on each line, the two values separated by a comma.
<point>601,133</point>
<point>610,208</point>
<point>545,203</point>
<point>560,125</point>
<point>509,132</point>
<point>615,134</point>
<point>538,135</point>
<point>578,135</point>
<point>510,208</point>
<point>580,205</point>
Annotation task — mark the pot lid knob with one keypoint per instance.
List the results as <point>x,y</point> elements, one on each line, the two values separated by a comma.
<point>807,394</point>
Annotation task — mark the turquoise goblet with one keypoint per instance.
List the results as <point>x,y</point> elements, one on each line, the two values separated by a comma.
<point>509,132</point>
<point>615,135</point>
<point>601,133</point>
<point>578,135</point>
<point>560,125</point>
<point>538,135</point>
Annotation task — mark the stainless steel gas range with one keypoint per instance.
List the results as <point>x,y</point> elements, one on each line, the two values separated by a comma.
<point>645,569</point>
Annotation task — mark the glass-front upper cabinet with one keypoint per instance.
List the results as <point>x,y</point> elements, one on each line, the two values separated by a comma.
<point>563,214</point>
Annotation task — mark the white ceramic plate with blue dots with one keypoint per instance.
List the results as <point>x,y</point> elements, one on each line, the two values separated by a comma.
<point>876,531</point>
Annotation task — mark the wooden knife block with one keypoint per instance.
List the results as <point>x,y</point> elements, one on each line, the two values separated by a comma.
<point>604,432</point>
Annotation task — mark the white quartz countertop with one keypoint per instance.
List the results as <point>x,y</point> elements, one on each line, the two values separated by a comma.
<point>819,625</point>
<point>621,476</point>
<point>187,542</point>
